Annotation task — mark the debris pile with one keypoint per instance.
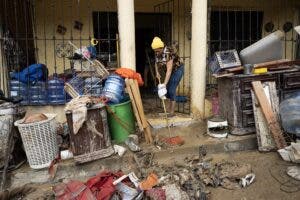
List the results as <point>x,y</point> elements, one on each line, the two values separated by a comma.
<point>162,182</point>
<point>194,177</point>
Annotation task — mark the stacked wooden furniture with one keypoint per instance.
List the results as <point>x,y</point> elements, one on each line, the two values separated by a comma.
<point>235,96</point>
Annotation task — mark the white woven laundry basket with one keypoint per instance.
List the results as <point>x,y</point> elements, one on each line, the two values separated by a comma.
<point>39,140</point>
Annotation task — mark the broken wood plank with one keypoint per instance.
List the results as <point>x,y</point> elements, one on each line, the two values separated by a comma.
<point>134,107</point>
<point>148,132</point>
<point>223,75</point>
<point>147,129</point>
<point>138,102</point>
<point>235,69</point>
<point>269,114</point>
<point>140,109</point>
<point>280,68</point>
<point>264,137</point>
<point>272,65</point>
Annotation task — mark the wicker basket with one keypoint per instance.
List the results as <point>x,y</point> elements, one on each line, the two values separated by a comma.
<point>39,140</point>
<point>6,122</point>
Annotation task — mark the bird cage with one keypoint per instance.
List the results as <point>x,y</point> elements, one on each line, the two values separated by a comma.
<point>76,86</point>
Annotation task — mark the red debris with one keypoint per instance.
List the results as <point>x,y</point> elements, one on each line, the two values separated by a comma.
<point>102,184</point>
<point>99,187</point>
<point>156,194</point>
<point>74,190</point>
<point>177,140</point>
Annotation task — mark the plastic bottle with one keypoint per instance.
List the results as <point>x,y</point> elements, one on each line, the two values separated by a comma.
<point>18,89</point>
<point>38,93</point>
<point>56,92</point>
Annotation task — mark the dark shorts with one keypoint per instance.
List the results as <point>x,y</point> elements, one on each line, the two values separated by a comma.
<point>174,82</point>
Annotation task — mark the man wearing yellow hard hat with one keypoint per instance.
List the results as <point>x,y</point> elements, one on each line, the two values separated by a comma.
<point>167,58</point>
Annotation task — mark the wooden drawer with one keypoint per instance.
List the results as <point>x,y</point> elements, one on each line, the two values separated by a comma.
<point>246,102</point>
<point>291,80</point>
<point>248,118</point>
<point>246,85</point>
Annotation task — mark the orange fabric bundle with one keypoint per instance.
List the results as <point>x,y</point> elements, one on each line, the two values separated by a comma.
<point>150,182</point>
<point>129,73</point>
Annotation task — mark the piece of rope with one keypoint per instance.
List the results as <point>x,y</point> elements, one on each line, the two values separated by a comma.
<point>124,124</point>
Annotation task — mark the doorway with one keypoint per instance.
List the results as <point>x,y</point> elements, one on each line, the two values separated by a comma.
<point>146,28</point>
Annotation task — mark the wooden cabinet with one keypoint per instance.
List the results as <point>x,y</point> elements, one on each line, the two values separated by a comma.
<point>235,96</point>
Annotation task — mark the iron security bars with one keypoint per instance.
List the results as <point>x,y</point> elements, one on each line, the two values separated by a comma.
<point>37,32</point>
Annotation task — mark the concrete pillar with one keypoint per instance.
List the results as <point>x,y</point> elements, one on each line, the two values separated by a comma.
<point>127,33</point>
<point>198,57</point>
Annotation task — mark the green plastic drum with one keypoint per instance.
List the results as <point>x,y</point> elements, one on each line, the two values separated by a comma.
<point>121,121</point>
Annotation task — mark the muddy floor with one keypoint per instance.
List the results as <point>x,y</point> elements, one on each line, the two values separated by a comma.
<point>271,180</point>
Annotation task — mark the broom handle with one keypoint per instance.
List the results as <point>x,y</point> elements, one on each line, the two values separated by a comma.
<point>164,105</point>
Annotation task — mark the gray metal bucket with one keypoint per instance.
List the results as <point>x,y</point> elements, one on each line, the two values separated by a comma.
<point>248,68</point>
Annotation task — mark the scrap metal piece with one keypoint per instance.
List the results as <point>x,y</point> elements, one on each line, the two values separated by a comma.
<point>294,172</point>
<point>297,29</point>
<point>228,59</point>
<point>263,50</point>
<point>224,60</point>
<point>217,127</point>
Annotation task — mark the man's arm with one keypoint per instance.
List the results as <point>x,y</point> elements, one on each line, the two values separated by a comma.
<point>169,71</point>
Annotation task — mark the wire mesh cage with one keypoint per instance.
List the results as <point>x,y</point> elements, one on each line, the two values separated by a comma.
<point>88,81</point>
<point>75,86</point>
<point>78,86</point>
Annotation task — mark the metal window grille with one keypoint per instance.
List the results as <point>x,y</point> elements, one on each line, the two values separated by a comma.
<point>235,26</point>
<point>38,31</point>
<point>177,29</point>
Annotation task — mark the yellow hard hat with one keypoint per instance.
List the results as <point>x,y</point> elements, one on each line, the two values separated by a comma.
<point>157,43</point>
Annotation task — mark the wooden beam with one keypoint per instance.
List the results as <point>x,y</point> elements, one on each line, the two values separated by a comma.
<point>134,107</point>
<point>139,105</point>
<point>269,114</point>
<point>223,75</point>
<point>272,65</point>
<point>264,137</point>
<point>145,123</point>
